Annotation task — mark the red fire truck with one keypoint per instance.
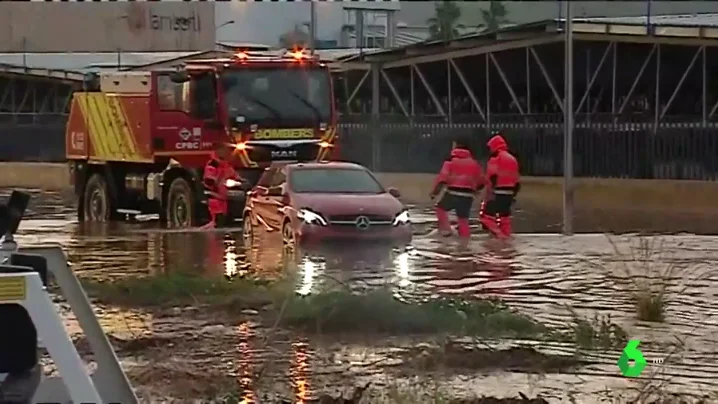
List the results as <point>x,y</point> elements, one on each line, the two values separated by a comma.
<point>137,141</point>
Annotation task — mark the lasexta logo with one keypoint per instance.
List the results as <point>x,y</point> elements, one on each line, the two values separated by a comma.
<point>632,353</point>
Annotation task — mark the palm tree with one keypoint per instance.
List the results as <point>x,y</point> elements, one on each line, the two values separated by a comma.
<point>495,16</point>
<point>444,25</point>
<point>294,38</point>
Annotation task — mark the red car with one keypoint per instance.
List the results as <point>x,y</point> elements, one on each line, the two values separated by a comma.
<point>325,201</point>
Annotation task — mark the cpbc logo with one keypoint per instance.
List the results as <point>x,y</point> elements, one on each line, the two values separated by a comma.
<point>632,353</point>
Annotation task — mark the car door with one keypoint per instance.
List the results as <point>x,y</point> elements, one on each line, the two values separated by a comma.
<point>275,199</point>
<point>259,202</point>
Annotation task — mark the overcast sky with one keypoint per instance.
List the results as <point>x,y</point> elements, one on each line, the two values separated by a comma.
<point>264,22</point>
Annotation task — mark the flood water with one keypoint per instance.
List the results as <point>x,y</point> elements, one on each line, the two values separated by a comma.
<point>542,275</point>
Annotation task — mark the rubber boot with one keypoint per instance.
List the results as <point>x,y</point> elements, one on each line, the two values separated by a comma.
<point>212,222</point>
<point>505,226</point>
<point>442,218</point>
<point>481,216</point>
<point>463,228</point>
<point>490,225</point>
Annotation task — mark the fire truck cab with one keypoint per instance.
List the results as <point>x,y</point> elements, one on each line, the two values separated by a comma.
<point>137,141</point>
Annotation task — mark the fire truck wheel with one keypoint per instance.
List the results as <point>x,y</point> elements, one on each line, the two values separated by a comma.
<point>180,206</point>
<point>96,200</point>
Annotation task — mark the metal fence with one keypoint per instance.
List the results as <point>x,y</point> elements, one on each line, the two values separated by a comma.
<point>630,147</point>
<point>604,146</point>
<point>32,137</point>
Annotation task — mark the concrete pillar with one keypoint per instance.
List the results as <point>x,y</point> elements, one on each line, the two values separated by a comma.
<point>390,41</point>
<point>359,20</point>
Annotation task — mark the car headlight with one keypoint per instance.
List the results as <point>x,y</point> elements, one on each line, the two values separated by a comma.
<point>230,183</point>
<point>401,218</point>
<point>310,217</point>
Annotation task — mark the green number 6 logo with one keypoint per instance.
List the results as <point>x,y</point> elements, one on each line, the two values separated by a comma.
<point>632,353</point>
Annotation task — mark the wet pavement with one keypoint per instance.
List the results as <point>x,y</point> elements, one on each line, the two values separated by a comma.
<point>542,275</point>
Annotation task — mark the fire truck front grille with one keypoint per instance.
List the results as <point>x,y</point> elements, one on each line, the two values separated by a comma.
<point>298,152</point>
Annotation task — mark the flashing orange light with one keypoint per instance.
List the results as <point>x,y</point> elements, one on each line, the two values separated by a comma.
<point>242,56</point>
<point>325,144</point>
<point>241,146</point>
<point>299,54</point>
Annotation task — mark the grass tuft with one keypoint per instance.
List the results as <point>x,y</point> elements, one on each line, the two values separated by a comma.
<point>652,277</point>
<point>597,332</point>
<point>381,312</point>
<point>183,289</point>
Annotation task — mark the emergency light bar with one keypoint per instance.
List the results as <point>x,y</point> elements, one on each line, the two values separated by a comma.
<point>282,55</point>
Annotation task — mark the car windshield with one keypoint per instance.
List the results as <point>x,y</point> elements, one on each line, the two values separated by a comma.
<point>262,94</point>
<point>333,181</point>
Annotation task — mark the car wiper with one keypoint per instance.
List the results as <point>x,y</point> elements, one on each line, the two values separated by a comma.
<point>315,110</point>
<point>264,105</point>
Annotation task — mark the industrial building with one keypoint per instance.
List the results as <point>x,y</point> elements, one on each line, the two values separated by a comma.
<point>645,98</point>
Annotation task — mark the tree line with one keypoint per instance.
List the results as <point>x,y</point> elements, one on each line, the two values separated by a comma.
<point>445,25</point>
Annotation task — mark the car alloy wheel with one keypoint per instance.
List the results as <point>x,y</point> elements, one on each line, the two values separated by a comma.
<point>289,239</point>
<point>247,231</point>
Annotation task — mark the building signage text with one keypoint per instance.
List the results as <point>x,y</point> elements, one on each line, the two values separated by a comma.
<point>160,22</point>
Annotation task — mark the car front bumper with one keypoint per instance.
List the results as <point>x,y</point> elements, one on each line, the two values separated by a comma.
<point>396,235</point>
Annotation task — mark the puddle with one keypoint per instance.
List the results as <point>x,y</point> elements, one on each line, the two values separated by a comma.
<point>541,275</point>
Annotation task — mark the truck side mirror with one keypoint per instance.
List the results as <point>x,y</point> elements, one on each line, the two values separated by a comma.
<point>214,125</point>
<point>179,77</point>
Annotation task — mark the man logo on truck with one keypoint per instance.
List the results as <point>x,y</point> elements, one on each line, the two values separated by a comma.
<point>284,154</point>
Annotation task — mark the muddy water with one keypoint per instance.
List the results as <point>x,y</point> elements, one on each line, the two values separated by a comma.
<point>541,275</point>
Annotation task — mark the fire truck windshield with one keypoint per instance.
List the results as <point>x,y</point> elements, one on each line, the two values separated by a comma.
<point>297,96</point>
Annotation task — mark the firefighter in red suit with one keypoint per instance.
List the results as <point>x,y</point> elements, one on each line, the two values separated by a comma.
<point>502,172</point>
<point>216,173</point>
<point>459,180</point>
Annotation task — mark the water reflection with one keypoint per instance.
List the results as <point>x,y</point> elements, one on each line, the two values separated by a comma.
<point>310,270</point>
<point>299,372</point>
<point>245,364</point>
<point>234,259</point>
<point>540,276</point>
<point>402,269</point>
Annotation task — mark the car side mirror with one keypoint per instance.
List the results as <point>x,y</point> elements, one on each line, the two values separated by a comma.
<point>245,186</point>
<point>394,192</point>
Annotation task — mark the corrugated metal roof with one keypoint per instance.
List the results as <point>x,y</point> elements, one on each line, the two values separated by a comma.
<point>85,62</point>
<point>332,55</point>
<point>93,62</point>
<point>243,45</point>
<point>64,75</point>
<point>404,35</point>
<point>700,20</point>
<point>709,20</point>
<point>401,38</point>
<point>411,35</point>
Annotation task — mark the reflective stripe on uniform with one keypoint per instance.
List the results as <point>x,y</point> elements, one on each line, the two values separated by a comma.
<point>460,193</point>
<point>503,192</point>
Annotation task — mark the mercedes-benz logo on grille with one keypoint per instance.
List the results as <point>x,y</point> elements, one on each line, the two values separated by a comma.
<point>362,222</point>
